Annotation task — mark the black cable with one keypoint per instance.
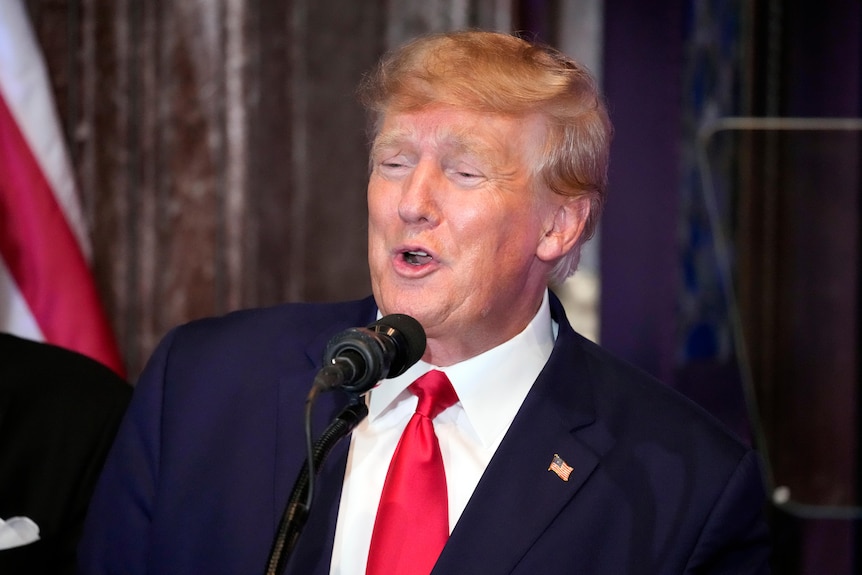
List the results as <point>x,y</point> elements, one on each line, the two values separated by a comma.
<point>299,504</point>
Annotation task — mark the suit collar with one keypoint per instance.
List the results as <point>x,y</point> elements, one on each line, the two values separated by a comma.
<point>515,364</point>
<point>312,553</point>
<point>518,496</point>
<point>363,313</point>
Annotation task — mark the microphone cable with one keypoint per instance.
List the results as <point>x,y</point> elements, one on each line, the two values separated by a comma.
<point>299,504</point>
<point>354,361</point>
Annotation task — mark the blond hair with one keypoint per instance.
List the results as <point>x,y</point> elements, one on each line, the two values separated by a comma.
<point>500,73</point>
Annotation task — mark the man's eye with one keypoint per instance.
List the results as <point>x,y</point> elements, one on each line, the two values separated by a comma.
<point>467,177</point>
<point>393,162</point>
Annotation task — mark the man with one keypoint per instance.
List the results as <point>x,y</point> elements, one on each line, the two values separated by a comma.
<point>488,172</point>
<point>59,411</point>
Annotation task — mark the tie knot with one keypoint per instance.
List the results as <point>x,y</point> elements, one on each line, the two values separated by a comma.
<point>435,393</point>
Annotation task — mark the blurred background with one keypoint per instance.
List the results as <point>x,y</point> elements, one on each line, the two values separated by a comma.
<point>219,156</point>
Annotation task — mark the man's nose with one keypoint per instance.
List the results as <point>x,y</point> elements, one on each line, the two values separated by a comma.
<point>419,194</point>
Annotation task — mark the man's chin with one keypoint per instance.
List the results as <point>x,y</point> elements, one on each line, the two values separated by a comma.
<point>404,297</point>
<point>414,306</point>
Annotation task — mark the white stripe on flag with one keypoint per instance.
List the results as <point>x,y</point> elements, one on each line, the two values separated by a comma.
<point>25,86</point>
<point>14,313</point>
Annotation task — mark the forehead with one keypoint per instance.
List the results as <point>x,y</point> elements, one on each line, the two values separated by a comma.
<point>459,131</point>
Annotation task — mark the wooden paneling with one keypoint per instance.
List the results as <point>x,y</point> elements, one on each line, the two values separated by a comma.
<point>219,149</point>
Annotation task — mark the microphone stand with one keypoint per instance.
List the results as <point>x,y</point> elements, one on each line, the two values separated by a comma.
<point>354,361</point>
<point>298,506</point>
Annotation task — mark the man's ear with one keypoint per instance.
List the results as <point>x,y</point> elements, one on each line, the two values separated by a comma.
<point>564,229</point>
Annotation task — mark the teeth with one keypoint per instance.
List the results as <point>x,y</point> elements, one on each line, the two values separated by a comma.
<point>416,258</point>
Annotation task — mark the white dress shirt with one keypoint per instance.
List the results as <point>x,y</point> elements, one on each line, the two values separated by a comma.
<point>491,388</point>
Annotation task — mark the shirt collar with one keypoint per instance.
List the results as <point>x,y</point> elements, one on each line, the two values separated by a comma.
<point>490,386</point>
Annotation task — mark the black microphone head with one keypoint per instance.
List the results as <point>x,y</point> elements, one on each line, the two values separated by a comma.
<point>408,335</point>
<point>362,356</point>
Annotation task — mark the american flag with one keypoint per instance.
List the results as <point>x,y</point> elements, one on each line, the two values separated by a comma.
<point>47,291</point>
<point>560,467</point>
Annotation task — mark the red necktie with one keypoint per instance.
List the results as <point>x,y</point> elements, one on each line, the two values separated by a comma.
<point>412,523</point>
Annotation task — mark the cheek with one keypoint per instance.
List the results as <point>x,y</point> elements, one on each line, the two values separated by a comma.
<point>381,218</point>
<point>381,204</point>
<point>372,199</point>
<point>510,250</point>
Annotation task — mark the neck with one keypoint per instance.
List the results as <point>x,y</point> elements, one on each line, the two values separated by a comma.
<point>459,343</point>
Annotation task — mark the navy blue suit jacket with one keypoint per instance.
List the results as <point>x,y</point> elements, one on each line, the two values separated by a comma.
<point>203,464</point>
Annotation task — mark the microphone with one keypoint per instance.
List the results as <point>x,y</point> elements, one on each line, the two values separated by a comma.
<point>357,358</point>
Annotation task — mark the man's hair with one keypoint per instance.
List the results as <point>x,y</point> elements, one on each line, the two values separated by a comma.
<point>491,72</point>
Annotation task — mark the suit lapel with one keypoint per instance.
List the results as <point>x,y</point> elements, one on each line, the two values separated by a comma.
<point>518,496</point>
<point>313,551</point>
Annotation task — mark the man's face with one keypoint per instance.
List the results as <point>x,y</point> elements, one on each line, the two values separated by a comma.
<point>457,228</point>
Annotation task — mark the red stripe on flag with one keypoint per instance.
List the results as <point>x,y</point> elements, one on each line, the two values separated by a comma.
<point>43,256</point>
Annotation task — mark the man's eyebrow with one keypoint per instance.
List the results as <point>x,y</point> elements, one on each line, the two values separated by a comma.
<point>391,139</point>
<point>458,141</point>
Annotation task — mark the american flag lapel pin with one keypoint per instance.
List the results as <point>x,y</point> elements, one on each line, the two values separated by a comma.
<point>560,467</point>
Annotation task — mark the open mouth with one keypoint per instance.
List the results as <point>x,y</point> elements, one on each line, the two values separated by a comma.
<point>417,257</point>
